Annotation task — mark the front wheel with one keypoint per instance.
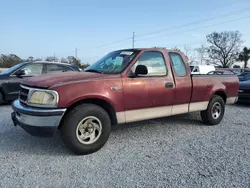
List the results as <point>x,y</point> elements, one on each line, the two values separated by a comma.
<point>86,128</point>
<point>215,111</point>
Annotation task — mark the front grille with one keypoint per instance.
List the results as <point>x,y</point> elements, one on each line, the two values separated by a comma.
<point>23,94</point>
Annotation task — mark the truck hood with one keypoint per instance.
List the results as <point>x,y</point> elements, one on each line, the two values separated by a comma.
<point>49,80</point>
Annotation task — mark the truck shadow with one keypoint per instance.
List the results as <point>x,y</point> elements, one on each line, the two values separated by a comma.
<point>24,144</point>
<point>30,145</point>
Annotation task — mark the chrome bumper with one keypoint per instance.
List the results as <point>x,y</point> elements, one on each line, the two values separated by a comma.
<point>36,121</point>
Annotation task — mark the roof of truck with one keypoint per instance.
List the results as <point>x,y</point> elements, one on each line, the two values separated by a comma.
<point>148,49</point>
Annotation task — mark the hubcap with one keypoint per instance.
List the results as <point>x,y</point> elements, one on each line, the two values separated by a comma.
<point>89,130</point>
<point>216,110</point>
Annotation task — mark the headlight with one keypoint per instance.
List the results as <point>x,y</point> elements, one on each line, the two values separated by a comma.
<point>41,98</point>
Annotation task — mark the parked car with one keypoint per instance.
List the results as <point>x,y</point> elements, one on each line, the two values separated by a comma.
<point>202,69</point>
<point>244,91</point>
<point>236,71</point>
<point>124,86</point>
<point>244,76</point>
<point>10,78</point>
<point>221,72</point>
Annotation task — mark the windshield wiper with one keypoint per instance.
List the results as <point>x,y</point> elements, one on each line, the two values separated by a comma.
<point>93,70</point>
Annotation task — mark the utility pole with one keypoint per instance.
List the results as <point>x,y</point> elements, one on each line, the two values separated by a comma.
<point>76,53</point>
<point>54,57</point>
<point>133,40</point>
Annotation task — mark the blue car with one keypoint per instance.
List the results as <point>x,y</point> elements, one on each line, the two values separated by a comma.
<point>244,91</point>
<point>244,76</point>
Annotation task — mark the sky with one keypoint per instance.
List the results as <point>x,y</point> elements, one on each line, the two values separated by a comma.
<point>42,28</point>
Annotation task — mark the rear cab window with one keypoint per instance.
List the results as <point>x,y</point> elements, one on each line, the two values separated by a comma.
<point>178,64</point>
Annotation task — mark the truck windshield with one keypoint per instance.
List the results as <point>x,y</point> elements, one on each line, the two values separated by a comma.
<point>113,63</point>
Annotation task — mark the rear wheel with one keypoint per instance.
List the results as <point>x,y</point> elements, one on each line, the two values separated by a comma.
<point>215,111</point>
<point>86,129</point>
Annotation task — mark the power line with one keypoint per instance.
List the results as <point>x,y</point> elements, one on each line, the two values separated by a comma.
<point>197,28</point>
<point>196,22</point>
<point>197,42</point>
<point>175,27</point>
<point>112,43</point>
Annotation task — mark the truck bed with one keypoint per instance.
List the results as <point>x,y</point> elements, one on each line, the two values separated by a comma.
<point>206,85</point>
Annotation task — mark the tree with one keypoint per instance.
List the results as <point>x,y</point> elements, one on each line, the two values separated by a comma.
<point>190,54</point>
<point>51,58</point>
<point>30,59</point>
<point>202,55</point>
<point>176,49</point>
<point>224,47</point>
<point>85,65</point>
<point>64,60</point>
<point>38,59</point>
<point>72,60</point>
<point>244,56</point>
<point>7,61</point>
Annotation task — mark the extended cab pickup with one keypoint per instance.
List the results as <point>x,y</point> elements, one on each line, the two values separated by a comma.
<point>124,86</point>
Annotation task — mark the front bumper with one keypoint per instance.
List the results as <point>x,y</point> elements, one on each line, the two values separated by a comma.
<point>36,121</point>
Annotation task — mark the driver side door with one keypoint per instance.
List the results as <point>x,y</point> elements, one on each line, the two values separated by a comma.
<point>148,96</point>
<point>12,87</point>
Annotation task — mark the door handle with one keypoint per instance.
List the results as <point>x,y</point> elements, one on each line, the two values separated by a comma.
<point>169,85</point>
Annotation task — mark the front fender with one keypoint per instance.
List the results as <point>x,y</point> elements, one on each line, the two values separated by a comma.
<point>72,93</point>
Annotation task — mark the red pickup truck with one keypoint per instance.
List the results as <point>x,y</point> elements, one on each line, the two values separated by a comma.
<point>124,86</point>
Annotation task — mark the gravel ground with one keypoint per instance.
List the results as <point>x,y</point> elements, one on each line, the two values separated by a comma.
<point>170,152</point>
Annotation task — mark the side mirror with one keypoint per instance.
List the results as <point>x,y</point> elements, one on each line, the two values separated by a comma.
<point>20,73</point>
<point>141,69</point>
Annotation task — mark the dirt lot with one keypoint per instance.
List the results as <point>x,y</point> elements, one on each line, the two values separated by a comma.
<point>169,152</point>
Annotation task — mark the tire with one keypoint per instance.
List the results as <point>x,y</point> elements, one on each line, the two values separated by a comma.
<point>209,116</point>
<point>85,138</point>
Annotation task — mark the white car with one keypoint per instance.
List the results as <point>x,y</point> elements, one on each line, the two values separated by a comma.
<point>202,69</point>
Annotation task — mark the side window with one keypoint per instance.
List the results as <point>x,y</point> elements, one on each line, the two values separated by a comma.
<point>67,69</point>
<point>51,68</point>
<point>33,69</point>
<point>155,63</point>
<point>178,64</point>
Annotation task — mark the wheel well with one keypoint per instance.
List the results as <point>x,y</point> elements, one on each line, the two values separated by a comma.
<point>102,103</point>
<point>222,94</point>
